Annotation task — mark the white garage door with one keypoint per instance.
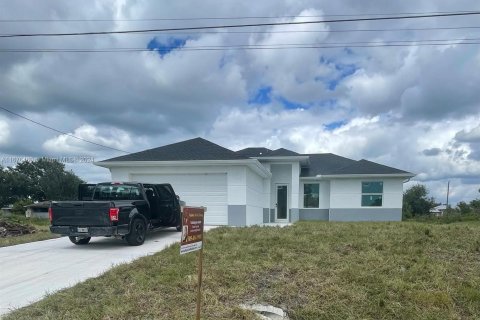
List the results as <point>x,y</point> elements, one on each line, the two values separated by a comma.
<point>208,190</point>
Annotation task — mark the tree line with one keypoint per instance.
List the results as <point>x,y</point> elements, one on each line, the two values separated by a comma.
<point>417,202</point>
<point>40,180</point>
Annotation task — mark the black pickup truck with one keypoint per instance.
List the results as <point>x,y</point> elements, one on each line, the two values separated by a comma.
<point>120,209</point>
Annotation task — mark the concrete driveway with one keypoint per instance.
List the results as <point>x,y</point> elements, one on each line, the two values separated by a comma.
<point>29,271</point>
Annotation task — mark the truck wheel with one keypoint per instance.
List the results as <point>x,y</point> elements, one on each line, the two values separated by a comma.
<point>137,233</point>
<point>80,240</point>
<point>179,227</point>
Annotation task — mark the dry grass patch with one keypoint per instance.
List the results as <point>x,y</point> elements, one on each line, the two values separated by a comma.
<point>313,270</point>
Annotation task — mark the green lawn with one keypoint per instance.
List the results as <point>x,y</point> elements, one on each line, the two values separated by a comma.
<point>313,270</point>
<point>42,231</point>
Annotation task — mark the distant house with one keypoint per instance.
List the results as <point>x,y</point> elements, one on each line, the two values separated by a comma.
<point>6,211</point>
<point>37,210</point>
<point>259,185</point>
<point>438,210</point>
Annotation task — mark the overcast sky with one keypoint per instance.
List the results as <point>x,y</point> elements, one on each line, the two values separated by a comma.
<point>416,108</point>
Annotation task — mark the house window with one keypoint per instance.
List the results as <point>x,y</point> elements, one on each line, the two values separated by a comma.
<point>310,195</point>
<point>372,193</point>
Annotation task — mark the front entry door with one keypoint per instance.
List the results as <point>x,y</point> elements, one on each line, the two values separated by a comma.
<point>282,203</point>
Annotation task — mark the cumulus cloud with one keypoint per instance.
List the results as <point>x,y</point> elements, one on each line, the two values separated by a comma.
<point>4,131</point>
<point>472,135</point>
<point>416,108</point>
<point>380,139</point>
<point>67,144</point>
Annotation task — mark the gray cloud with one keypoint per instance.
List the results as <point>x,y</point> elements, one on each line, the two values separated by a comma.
<point>432,152</point>
<point>397,105</point>
<point>475,151</point>
<point>472,135</point>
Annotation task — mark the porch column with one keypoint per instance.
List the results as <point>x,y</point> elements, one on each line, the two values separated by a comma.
<point>295,193</point>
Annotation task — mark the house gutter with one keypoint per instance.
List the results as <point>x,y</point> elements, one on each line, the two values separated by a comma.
<point>375,175</point>
<point>253,164</point>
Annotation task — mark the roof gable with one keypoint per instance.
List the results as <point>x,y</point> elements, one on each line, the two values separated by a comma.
<point>193,149</point>
<point>282,152</point>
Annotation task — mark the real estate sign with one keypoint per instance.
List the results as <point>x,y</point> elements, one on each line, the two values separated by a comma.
<point>192,229</point>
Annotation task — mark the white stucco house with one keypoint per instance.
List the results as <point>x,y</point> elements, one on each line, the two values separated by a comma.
<point>258,185</point>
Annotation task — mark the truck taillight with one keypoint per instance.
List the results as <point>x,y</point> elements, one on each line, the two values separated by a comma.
<point>114,214</point>
<point>50,214</point>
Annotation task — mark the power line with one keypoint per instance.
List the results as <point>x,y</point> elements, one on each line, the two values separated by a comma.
<point>313,31</point>
<point>326,31</point>
<point>231,18</point>
<point>274,44</point>
<point>316,31</point>
<point>242,25</point>
<point>123,50</point>
<point>262,46</point>
<point>59,131</point>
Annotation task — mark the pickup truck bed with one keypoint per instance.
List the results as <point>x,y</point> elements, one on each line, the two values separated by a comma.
<point>125,210</point>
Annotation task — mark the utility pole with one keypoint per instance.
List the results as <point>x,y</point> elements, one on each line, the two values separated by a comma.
<point>448,192</point>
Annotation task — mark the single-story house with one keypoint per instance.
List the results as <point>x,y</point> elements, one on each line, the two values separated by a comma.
<point>259,185</point>
<point>438,210</point>
<point>37,210</point>
<point>6,211</point>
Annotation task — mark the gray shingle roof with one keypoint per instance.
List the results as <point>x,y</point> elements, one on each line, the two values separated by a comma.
<point>264,152</point>
<point>331,164</point>
<point>282,153</point>
<point>368,167</point>
<point>324,163</point>
<point>253,152</point>
<point>201,149</point>
<point>193,149</point>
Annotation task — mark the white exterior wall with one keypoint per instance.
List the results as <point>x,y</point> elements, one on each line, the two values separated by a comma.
<point>125,173</point>
<point>324,193</point>
<point>295,194</point>
<point>267,186</point>
<point>237,184</point>
<point>347,193</point>
<point>243,188</point>
<point>249,198</point>
<point>209,185</point>
<point>120,174</point>
<point>255,198</point>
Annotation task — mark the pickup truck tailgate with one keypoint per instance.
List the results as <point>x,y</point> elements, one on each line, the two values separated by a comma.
<point>81,213</point>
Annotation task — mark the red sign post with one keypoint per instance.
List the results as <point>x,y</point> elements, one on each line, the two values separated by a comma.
<point>192,240</point>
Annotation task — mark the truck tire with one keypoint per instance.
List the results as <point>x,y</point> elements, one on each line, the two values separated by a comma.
<point>136,237</point>
<point>80,240</point>
<point>179,227</point>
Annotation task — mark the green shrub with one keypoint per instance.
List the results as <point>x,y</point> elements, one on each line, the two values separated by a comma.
<point>19,206</point>
<point>448,217</point>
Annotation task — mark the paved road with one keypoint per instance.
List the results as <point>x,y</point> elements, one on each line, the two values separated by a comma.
<point>28,271</point>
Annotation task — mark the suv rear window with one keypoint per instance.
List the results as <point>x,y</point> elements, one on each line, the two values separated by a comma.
<point>117,192</point>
